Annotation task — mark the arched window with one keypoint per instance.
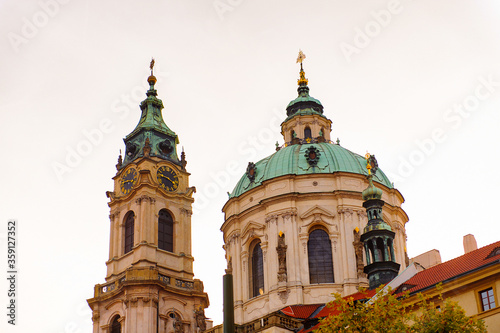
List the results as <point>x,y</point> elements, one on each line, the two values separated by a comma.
<point>257,271</point>
<point>319,250</point>
<point>307,133</point>
<point>129,232</point>
<point>165,231</point>
<point>116,327</point>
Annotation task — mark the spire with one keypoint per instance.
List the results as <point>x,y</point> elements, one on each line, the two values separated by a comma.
<point>302,81</point>
<point>371,192</point>
<point>378,237</point>
<point>151,137</point>
<point>303,104</point>
<point>152,80</point>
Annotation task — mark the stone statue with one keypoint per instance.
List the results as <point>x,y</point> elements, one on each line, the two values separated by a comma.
<point>200,319</point>
<point>178,326</point>
<point>229,269</point>
<point>281,249</point>
<point>358,249</point>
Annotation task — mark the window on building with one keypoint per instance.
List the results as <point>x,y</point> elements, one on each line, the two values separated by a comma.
<point>165,231</point>
<point>257,271</point>
<point>115,325</point>
<point>319,250</point>
<point>487,299</point>
<point>129,232</point>
<point>307,133</point>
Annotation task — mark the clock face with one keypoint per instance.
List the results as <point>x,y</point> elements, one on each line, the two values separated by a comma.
<point>167,178</point>
<point>128,181</point>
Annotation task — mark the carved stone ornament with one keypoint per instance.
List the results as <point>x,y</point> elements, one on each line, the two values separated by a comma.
<point>145,198</point>
<point>283,295</point>
<point>178,326</point>
<point>373,163</point>
<point>251,171</point>
<point>183,160</point>
<point>312,156</point>
<point>120,161</point>
<point>95,316</point>
<point>146,150</point>
<point>281,249</point>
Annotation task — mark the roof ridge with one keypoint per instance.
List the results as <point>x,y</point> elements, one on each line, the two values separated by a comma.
<point>471,253</point>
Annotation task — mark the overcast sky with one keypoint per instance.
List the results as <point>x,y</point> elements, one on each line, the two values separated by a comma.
<point>417,83</point>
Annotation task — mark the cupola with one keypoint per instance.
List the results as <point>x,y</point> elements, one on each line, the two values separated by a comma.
<point>305,122</point>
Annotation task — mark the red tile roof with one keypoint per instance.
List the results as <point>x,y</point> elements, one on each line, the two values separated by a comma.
<point>453,268</point>
<point>324,310</point>
<point>355,297</point>
<point>300,311</point>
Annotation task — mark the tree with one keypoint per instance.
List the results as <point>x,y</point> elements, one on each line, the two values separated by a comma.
<point>388,313</point>
<point>450,317</point>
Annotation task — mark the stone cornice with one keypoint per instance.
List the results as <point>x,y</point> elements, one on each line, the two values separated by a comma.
<point>145,198</point>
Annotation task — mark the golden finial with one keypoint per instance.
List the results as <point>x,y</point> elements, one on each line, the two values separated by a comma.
<point>152,78</point>
<point>300,58</point>
<point>281,233</point>
<point>368,164</point>
<point>356,229</point>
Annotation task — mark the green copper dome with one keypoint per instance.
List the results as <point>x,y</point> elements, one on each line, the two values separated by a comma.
<point>151,137</point>
<point>292,160</point>
<point>371,192</point>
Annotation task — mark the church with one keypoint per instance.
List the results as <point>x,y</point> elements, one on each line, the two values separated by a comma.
<point>309,220</point>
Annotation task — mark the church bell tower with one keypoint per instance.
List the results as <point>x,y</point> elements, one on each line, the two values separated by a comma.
<point>150,285</point>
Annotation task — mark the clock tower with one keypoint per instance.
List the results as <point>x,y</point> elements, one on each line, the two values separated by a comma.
<point>150,285</point>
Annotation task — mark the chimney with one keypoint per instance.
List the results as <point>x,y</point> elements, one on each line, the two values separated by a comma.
<point>470,243</point>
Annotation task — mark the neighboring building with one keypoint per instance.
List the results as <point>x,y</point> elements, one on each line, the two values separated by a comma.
<point>292,223</point>
<point>472,280</point>
<point>150,285</point>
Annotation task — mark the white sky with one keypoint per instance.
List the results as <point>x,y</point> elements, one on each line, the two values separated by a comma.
<point>225,78</point>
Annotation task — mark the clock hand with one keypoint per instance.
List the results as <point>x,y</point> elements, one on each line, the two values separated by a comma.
<point>164,176</point>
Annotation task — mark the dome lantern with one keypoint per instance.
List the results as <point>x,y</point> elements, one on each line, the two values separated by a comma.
<point>305,122</point>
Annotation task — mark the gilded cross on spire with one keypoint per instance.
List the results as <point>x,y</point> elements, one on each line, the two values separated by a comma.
<point>151,65</point>
<point>301,57</point>
<point>368,164</point>
<point>371,164</point>
<point>152,78</point>
<point>302,81</point>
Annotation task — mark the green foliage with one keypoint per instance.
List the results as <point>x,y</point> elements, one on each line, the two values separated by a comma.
<point>449,317</point>
<point>389,314</point>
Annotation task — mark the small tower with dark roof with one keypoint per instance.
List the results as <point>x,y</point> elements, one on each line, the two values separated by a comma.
<point>378,237</point>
